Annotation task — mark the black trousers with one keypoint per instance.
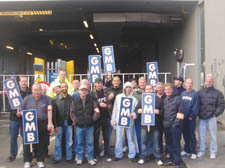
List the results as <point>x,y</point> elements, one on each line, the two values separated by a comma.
<point>104,125</point>
<point>39,148</point>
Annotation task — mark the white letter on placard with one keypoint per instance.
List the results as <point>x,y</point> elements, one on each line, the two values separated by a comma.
<point>148,109</point>
<point>107,51</point>
<point>30,137</point>
<point>126,103</point>
<point>16,102</point>
<point>108,59</point>
<point>148,99</point>
<point>29,116</point>
<point>30,127</point>
<point>153,83</point>
<point>10,84</point>
<point>95,69</point>
<point>108,67</point>
<point>152,67</point>
<point>94,77</point>
<point>123,121</point>
<point>125,112</point>
<point>13,93</point>
<point>94,60</point>
<point>152,75</point>
<point>148,119</point>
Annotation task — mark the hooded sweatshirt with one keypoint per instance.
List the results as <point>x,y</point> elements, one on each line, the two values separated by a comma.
<point>117,104</point>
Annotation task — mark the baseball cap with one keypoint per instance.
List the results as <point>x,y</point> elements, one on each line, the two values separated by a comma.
<point>180,78</point>
<point>83,86</point>
<point>98,80</point>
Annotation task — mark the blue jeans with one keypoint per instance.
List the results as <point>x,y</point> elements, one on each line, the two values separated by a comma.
<point>173,137</point>
<point>119,142</point>
<point>69,141</point>
<point>150,141</point>
<point>75,140</point>
<point>189,135</point>
<point>85,134</point>
<point>211,125</point>
<point>14,127</point>
<point>137,124</point>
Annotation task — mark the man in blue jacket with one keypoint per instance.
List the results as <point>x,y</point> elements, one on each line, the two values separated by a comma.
<point>190,99</point>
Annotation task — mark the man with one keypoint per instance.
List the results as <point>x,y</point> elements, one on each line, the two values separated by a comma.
<point>211,106</point>
<point>61,78</point>
<point>43,105</point>
<point>129,130</point>
<point>133,81</point>
<point>190,99</point>
<point>172,122</point>
<point>138,95</point>
<point>43,89</point>
<point>154,134</point>
<point>103,98</point>
<point>63,123</point>
<point>76,84</point>
<point>15,121</point>
<point>84,112</point>
<point>178,86</point>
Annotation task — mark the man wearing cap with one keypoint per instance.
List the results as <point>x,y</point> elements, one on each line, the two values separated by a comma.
<point>83,112</point>
<point>178,86</point>
<point>103,98</point>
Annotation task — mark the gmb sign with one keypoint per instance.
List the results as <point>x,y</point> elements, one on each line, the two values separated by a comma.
<point>108,59</point>
<point>152,72</point>
<point>148,106</point>
<point>13,93</point>
<point>30,127</point>
<point>125,110</point>
<point>94,67</point>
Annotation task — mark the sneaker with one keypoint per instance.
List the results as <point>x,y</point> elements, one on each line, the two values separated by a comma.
<point>159,163</point>
<point>40,164</point>
<point>193,156</point>
<point>92,162</point>
<point>200,154</point>
<point>125,148</point>
<point>183,153</point>
<point>141,161</point>
<point>27,165</point>
<point>108,159</point>
<point>168,156</point>
<point>95,159</point>
<point>212,156</point>
<point>76,159</point>
<point>11,158</point>
<point>79,162</point>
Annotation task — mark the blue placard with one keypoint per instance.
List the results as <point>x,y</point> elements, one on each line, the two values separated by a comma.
<point>125,110</point>
<point>13,93</point>
<point>148,106</point>
<point>94,67</point>
<point>52,76</point>
<point>152,72</point>
<point>30,127</point>
<point>108,59</point>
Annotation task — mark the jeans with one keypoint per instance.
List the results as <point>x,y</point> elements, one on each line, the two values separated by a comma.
<point>119,142</point>
<point>189,135</point>
<point>58,141</point>
<point>211,125</point>
<point>85,134</point>
<point>14,127</point>
<point>74,140</point>
<point>173,137</point>
<point>137,124</point>
<point>150,140</point>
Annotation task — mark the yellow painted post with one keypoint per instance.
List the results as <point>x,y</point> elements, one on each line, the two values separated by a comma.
<point>70,70</point>
<point>39,76</point>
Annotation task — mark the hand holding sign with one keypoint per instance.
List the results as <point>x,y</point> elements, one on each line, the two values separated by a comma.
<point>156,111</point>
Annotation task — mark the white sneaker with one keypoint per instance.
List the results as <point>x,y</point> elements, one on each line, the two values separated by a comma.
<point>76,158</point>
<point>79,162</point>
<point>167,155</point>
<point>125,148</point>
<point>92,162</point>
<point>193,156</point>
<point>40,164</point>
<point>27,165</point>
<point>212,156</point>
<point>141,161</point>
<point>159,163</point>
<point>183,153</point>
<point>95,159</point>
<point>200,154</point>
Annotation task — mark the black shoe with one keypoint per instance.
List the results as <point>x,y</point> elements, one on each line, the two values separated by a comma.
<point>11,158</point>
<point>116,159</point>
<point>56,161</point>
<point>70,161</point>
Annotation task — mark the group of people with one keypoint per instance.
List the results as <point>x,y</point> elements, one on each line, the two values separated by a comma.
<point>78,114</point>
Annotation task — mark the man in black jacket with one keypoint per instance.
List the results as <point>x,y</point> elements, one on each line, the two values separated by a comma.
<point>211,106</point>
<point>62,123</point>
<point>172,122</point>
<point>84,112</point>
<point>16,121</point>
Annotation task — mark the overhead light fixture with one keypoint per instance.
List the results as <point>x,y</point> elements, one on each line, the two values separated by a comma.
<point>9,47</point>
<point>61,44</point>
<point>29,53</point>
<point>41,30</point>
<point>85,23</point>
<point>95,44</point>
<point>91,36</point>
<point>97,50</point>
<point>26,13</point>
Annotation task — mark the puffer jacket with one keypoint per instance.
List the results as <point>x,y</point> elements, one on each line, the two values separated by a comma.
<point>211,103</point>
<point>173,106</point>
